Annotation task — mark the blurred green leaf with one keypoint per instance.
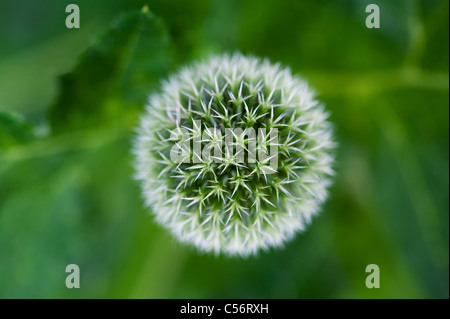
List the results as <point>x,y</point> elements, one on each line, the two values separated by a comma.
<point>14,130</point>
<point>116,72</point>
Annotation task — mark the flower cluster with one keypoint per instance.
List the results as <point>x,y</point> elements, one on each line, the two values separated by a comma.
<point>235,203</point>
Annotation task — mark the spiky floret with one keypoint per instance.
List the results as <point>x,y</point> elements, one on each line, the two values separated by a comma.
<point>226,205</point>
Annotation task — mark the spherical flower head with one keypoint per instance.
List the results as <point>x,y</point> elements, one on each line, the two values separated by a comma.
<point>234,154</point>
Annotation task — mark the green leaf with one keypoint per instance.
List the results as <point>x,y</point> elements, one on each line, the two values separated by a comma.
<point>14,130</point>
<point>114,76</point>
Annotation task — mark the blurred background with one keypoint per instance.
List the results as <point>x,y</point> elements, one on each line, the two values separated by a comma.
<point>70,198</point>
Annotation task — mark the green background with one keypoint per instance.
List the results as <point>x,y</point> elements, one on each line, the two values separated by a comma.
<point>69,197</point>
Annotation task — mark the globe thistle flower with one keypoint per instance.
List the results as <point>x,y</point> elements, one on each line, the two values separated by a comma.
<point>234,154</point>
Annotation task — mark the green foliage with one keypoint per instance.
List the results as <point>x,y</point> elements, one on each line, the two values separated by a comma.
<point>114,74</point>
<point>70,198</point>
<point>14,130</point>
